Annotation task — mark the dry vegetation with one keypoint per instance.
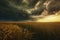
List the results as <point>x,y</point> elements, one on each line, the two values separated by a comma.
<point>10,32</point>
<point>30,31</point>
<point>44,31</point>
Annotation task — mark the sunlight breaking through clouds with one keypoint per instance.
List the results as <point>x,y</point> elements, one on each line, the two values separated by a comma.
<point>51,18</point>
<point>34,10</point>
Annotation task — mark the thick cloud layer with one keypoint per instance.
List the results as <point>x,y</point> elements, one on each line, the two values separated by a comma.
<point>54,6</point>
<point>17,10</point>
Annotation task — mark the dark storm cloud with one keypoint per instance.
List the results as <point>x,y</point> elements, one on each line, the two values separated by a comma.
<point>10,12</point>
<point>54,6</point>
<point>16,9</point>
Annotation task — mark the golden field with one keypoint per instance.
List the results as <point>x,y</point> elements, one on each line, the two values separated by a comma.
<point>29,30</point>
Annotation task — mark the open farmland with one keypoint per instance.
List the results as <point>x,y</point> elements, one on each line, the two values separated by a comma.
<point>30,30</point>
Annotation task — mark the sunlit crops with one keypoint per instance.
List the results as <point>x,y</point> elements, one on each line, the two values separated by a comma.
<point>10,32</point>
<point>30,31</point>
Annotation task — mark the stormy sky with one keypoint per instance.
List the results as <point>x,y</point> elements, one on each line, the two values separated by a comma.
<point>21,10</point>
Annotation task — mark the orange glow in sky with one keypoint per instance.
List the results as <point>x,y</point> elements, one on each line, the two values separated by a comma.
<point>50,18</point>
